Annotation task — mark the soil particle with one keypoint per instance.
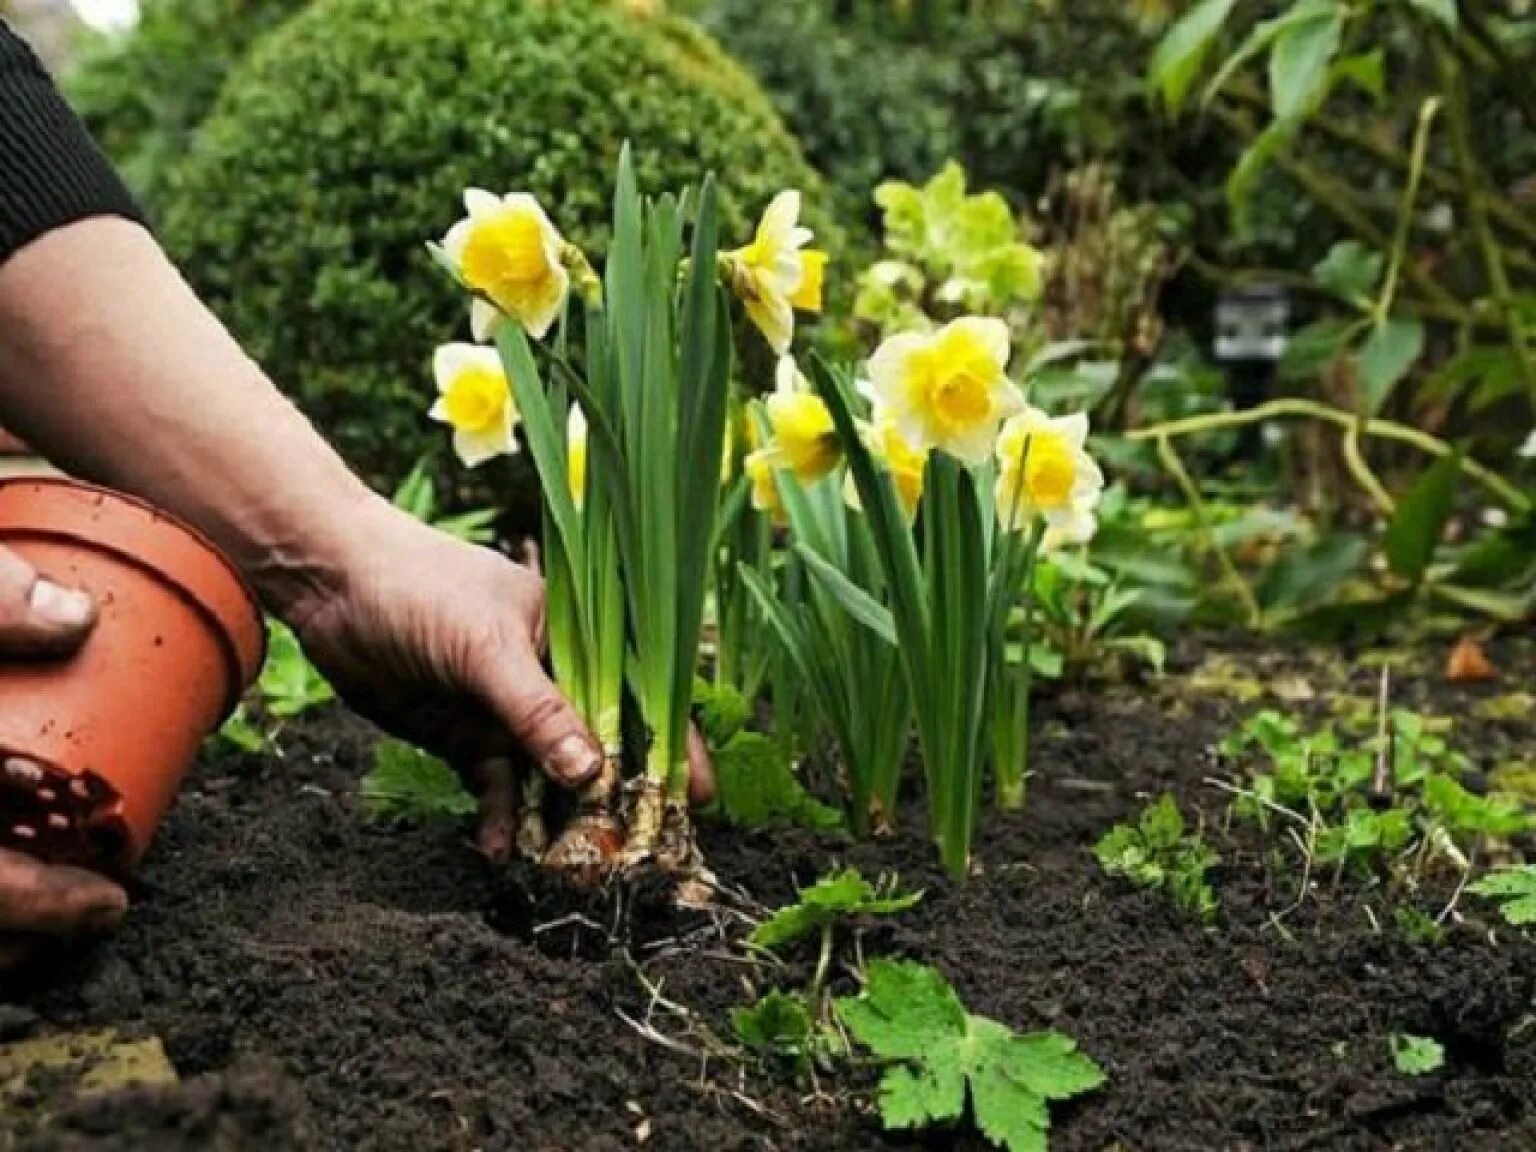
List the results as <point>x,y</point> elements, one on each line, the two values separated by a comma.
<point>323,984</point>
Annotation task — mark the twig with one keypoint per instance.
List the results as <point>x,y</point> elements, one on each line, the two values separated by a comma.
<point>1295,407</point>
<point>1263,801</point>
<point>1175,466</point>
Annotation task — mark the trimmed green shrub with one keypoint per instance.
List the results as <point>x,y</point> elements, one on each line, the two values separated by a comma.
<point>144,93</point>
<point>346,140</point>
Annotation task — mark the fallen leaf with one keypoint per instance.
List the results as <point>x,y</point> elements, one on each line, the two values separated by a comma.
<point>1467,664</point>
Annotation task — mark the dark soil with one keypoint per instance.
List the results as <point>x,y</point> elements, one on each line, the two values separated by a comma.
<point>320,983</point>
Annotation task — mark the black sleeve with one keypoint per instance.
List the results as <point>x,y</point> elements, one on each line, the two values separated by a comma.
<point>51,173</point>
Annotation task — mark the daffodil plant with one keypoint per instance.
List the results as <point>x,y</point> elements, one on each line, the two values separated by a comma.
<point>625,417</point>
<point>854,674</point>
<point>959,483</point>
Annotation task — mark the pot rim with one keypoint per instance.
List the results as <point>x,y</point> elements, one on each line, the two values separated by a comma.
<point>244,640</point>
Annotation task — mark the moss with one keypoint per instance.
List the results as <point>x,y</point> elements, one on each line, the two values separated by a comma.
<point>345,141</point>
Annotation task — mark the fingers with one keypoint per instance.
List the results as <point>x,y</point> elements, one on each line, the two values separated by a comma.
<point>37,616</point>
<point>701,772</point>
<point>543,721</point>
<point>53,900</point>
<point>496,782</point>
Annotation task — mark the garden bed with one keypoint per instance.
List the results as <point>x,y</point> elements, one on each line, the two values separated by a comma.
<point>321,983</point>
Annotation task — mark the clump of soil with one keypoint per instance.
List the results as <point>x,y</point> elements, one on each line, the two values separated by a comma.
<point>323,984</point>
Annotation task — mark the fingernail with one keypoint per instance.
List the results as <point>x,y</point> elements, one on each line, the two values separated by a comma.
<point>574,761</point>
<point>60,606</point>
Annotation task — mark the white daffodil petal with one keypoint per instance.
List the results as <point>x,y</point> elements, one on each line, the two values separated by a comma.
<point>781,215</point>
<point>475,448</point>
<point>990,332</point>
<point>455,240</point>
<point>1073,427</point>
<point>449,360</point>
<point>483,318</point>
<point>478,202</point>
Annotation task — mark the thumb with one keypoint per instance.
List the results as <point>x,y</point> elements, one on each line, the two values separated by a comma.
<point>37,616</point>
<point>524,698</point>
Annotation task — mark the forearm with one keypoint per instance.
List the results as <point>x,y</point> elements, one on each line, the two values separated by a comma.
<point>111,367</point>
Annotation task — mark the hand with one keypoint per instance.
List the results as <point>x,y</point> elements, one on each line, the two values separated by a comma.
<point>39,619</point>
<point>439,642</point>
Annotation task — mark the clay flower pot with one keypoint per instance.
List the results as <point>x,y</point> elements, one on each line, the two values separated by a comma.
<point>178,640</point>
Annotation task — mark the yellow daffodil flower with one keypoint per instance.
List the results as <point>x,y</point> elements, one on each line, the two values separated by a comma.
<point>475,400</point>
<point>776,273</point>
<point>1045,470</point>
<point>510,255</point>
<point>804,439</point>
<point>576,454</point>
<point>947,389</point>
<point>904,462</point>
<point>761,471</point>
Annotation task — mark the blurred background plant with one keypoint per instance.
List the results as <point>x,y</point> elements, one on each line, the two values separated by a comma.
<point>1116,179</point>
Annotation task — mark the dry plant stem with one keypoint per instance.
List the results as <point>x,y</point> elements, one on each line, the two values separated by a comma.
<point>1175,466</point>
<point>1473,186</point>
<point>1293,407</point>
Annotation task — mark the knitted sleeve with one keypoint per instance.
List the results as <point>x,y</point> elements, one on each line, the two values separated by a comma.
<point>51,173</point>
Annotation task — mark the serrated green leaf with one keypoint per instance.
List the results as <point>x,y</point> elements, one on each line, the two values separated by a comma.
<point>906,1012</point>
<point>1416,1055</point>
<point>720,711</point>
<point>1514,889</point>
<point>1350,271</point>
<point>932,1094</point>
<point>1419,522</point>
<point>1392,348</point>
<point>1183,50</point>
<point>909,1013</point>
<point>830,899</point>
<point>406,783</point>
<point>1050,1065</point>
<point>779,1022</point>
<point>1007,1112</point>
<point>1299,64</point>
<point>289,683</point>
<point>1443,11</point>
<point>756,786</point>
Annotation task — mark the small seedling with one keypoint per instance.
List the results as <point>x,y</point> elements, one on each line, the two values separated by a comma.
<point>406,784</point>
<point>829,901</point>
<point>1416,1055</point>
<point>781,1026</point>
<point>288,686</point>
<point>941,1056</point>
<point>1417,927</point>
<point>1390,802</point>
<point>417,495</point>
<point>1156,852</point>
<point>755,781</point>
<point>1515,891</point>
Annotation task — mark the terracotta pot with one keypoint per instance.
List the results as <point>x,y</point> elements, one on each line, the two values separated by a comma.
<point>116,726</point>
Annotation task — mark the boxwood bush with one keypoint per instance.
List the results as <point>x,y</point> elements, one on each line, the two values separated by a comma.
<point>345,140</point>
<point>144,93</point>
